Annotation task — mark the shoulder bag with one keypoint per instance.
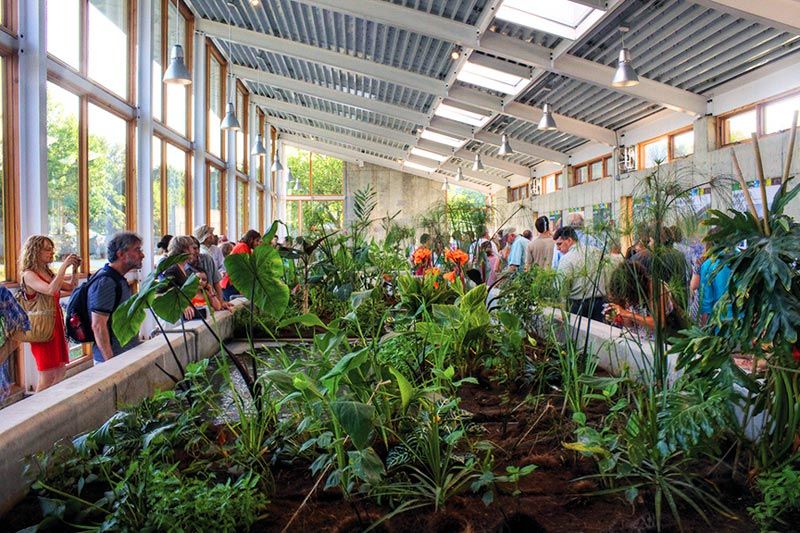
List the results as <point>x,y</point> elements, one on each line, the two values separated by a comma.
<point>41,314</point>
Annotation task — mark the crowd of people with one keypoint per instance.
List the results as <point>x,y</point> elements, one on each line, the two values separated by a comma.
<point>202,253</point>
<point>598,281</point>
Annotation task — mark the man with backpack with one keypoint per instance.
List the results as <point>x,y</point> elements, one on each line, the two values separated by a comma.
<point>109,289</point>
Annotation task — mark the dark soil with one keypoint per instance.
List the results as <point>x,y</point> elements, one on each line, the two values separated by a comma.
<point>550,499</point>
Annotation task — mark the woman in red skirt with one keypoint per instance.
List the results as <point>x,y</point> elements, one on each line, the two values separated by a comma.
<point>37,254</point>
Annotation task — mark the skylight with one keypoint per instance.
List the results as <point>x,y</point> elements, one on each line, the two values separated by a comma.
<point>559,17</point>
<point>462,115</point>
<point>417,166</point>
<point>429,155</point>
<point>442,139</point>
<point>493,79</point>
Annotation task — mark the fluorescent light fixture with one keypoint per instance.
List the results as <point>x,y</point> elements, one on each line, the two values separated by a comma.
<point>417,166</point>
<point>493,79</point>
<point>442,139</point>
<point>558,17</point>
<point>429,155</point>
<point>460,114</point>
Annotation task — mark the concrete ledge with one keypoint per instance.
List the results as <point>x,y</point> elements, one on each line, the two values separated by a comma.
<point>85,401</point>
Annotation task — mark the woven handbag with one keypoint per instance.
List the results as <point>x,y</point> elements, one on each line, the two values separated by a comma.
<point>41,314</point>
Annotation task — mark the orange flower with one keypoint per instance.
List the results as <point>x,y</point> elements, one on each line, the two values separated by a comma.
<point>456,256</point>
<point>450,276</point>
<point>432,271</point>
<point>422,255</point>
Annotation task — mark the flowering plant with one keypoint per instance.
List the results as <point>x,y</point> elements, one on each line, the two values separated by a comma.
<point>458,257</point>
<point>422,256</point>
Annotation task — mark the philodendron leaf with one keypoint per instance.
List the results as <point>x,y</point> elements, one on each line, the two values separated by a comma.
<point>308,320</point>
<point>356,419</point>
<point>170,304</point>
<point>259,275</point>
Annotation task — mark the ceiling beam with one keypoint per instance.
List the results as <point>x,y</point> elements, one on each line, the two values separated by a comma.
<point>533,150</point>
<point>468,172</point>
<point>394,135</point>
<point>406,18</point>
<point>779,14</point>
<point>452,128</point>
<point>592,72</point>
<point>496,162</point>
<point>323,56</point>
<point>323,133</point>
<point>325,93</point>
<point>355,157</point>
<point>529,113</point>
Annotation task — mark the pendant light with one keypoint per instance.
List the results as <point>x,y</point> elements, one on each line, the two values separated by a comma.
<point>444,185</point>
<point>230,122</point>
<point>477,164</point>
<point>505,148</point>
<point>276,165</point>
<point>624,76</point>
<point>259,149</point>
<point>177,72</point>
<point>547,123</point>
<point>459,174</point>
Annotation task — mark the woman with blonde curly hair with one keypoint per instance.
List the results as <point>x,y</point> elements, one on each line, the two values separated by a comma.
<point>37,277</point>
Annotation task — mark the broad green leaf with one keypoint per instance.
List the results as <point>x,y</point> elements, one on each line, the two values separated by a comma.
<point>170,304</point>
<point>406,389</point>
<point>367,465</point>
<point>356,419</point>
<point>308,320</point>
<point>258,275</point>
<point>347,363</point>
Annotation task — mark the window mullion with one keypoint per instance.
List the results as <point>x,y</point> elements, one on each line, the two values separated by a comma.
<point>83,181</point>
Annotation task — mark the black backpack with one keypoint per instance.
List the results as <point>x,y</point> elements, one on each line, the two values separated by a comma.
<point>78,325</point>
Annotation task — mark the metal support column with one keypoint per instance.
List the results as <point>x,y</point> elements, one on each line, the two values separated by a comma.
<point>199,207</point>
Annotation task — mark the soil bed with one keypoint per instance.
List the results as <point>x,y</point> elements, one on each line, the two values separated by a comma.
<point>550,499</point>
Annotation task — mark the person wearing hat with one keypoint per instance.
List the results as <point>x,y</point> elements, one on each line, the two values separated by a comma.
<point>208,245</point>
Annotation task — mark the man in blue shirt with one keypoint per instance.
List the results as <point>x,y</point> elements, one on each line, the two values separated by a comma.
<point>109,290</point>
<point>516,258</point>
<point>713,285</point>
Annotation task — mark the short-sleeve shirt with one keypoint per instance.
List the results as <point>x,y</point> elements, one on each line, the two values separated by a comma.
<point>101,299</point>
<point>207,265</point>
<point>540,252</point>
<point>518,249</point>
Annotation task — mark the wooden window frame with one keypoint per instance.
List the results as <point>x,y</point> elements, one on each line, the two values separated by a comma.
<point>670,138</point>
<point>240,89</point>
<point>10,21</point>
<point>213,54</point>
<point>162,172</point>
<point>759,107</point>
<point>168,6</point>
<point>575,169</point>
<point>222,190</point>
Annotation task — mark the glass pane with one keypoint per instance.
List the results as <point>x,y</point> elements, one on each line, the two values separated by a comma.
<point>215,198</point>
<point>597,170</point>
<point>62,170</point>
<point>156,65</point>
<point>107,171</point>
<point>298,162</point>
<point>293,218</point>
<point>156,176</point>
<point>260,194</point>
<point>108,44</point>
<point>63,31</point>
<point>176,191</point>
<point>241,210</point>
<point>322,216</point>
<point>778,115</point>
<point>683,144</point>
<point>215,108</point>
<point>2,178</point>
<point>177,100</point>
<point>740,127</point>
<point>655,152</point>
<point>241,135</point>
<point>327,175</point>
<point>581,174</point>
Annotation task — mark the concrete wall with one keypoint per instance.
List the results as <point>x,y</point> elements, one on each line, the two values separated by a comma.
<point>85,401</point>
<point>397,191</point>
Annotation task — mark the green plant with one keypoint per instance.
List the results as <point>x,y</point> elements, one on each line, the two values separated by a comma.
<point>780,491</point>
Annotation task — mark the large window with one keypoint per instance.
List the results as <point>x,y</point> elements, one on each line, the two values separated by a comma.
<point>171,102</point>
<point>592,170</point>
<point>666,148</point>
<point>242,150</point>
<point>99,48</point>
<point>88,175</point>
<point>770,116</point>
<point>215,100</point>
<point>9,179</point>
<point>315,200</point>
<point>171,205</point>
<point>242,211</point>
<point>215,186</point>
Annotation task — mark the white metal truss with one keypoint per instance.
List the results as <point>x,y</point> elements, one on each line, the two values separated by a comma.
<point>405,18</point>
<point>592,72</point>
<point>334,118</point>
<point>323,56</point>
<point>496,162</point>
<point>322,133</point>
<point>333,95</point>
<point>356,157</point>
<point>781,14</point>
<point>533,150</point>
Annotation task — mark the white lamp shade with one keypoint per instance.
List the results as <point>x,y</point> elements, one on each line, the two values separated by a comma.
<point>230,122</point>
<point>477,164</point>
<point>258,147</point>
<point>177,72</point>
<point>505,148</point>
<point>547,123</point>
<point>459,174</point>
<point>276,165</point>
